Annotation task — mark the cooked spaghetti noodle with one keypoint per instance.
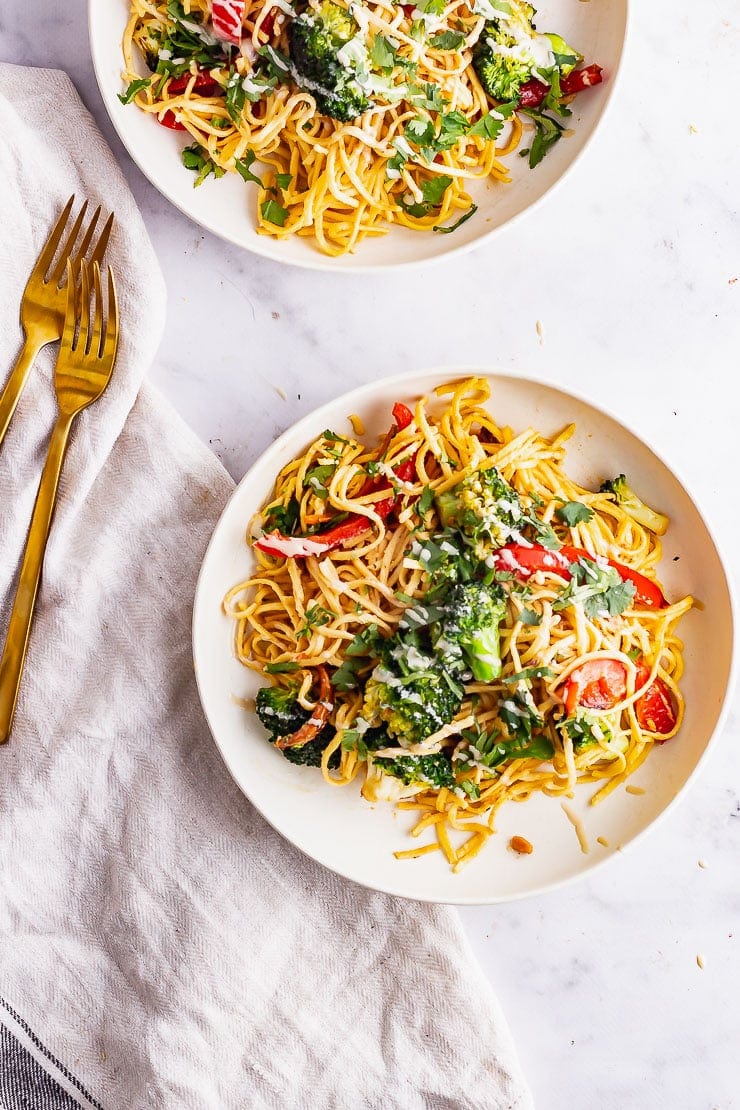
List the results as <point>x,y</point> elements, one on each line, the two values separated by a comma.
<point>359,557</point>
<point>428,128</point>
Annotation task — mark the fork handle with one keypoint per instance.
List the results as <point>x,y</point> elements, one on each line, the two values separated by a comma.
<point>19,627</point>
<point>16,381</point>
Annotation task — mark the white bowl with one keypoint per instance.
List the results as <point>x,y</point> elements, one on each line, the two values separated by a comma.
<point>226,207</point>
<point>335,825</point>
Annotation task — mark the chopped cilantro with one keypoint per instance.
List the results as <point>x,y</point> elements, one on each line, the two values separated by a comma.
<point>131,91</point>
<point>432,192</point>
<point>529,616</point>
<point>600,590</point>
<point>447,40</point>
<point>574,512</point>
<point>547,132</point>
<point>283,179</point>
<point>425,502</point>
<point>243,167</point>
<point>382,54</point>
<point>273,212</point>
<point>316,616</point>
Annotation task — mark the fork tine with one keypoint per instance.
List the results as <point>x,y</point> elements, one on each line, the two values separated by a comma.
<point>83,341</point>
<point>102,243</point>
<point>96,347</point>
<point>87,238</point>
<point>56,275</point>
<point>70,315</point>
<point>111,334</point>
<point>49,250</point>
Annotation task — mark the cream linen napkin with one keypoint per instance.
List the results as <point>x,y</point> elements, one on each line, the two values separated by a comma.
<point>157,939</point>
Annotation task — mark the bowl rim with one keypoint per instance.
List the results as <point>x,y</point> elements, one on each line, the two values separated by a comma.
<point>391,384</point>
<point>265,247</point>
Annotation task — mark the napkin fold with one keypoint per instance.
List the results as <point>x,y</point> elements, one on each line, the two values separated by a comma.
<point>160,944</point>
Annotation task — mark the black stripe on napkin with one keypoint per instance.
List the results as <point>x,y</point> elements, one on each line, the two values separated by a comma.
<point>28,1084</point>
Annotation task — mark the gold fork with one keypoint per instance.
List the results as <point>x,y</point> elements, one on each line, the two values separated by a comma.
<point>44,298</point>
<point>84,366</point>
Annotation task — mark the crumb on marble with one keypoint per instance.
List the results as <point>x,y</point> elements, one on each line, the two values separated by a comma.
<point>521,845</point>
<point>732,281</point>
<point>635,789</point>
<point>281,392</point>
<point>700,961</point>
<point>702,863</point>
<point>540,332</point>
<point>693,130</point>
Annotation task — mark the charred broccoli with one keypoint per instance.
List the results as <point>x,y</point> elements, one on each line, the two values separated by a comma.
<point>467,636</point>
<point>411,693</point>
<point>315,40</point>
<point>431,770</point>
<point>282,715</point>
<point>634,506</point>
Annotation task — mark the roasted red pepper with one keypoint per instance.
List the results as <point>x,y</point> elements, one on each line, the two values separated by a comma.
<point>580,79</point>
<point>227,17</point>
<point>203,84</point>
<point>524,561</point>
<point>656,708</point>
<point>319,716</point>
<point>402,415</point>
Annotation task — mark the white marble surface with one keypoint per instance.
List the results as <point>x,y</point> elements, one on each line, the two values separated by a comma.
<point>640,308</point>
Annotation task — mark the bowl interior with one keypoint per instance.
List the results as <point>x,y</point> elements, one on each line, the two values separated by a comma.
<point>226,207</point>
<point>336,826</point>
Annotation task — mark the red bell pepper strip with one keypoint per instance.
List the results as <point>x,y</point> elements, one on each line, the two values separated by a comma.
<point>319,716</point>
<point>402,415</point>
<point>656,708</point>
<point>227,17</point>
<point>580,79</point>
<point>524,561</point>
<point>533,92</point>
<point>203,84</point>
<point>597,684</point>
<point>268,23</point>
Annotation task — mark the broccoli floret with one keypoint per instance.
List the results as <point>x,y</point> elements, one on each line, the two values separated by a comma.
<point>635,506</point>
<point>279,711</point>
<point>282,715</point>
<point>501,75</point>
<point>314,42</point>
<point>434,770</point>
<point>468,634</point>
<point>411,693</point>
<point>586,730</point>
<point>483,507</point>
<point>508,55</point>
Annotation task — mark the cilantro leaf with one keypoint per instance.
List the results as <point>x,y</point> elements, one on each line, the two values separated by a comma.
<point>574,512</point>
<point>425,502</point>
<point>242,167</point>
<point>447,40</point>
<point>273,212</point>
<point>283,179</point>
<point>136,86</point>
<point>547,132</point>
<point>281,668</point>
<point>530,617</point>
<point>381,53</point>
<point>432,192</point>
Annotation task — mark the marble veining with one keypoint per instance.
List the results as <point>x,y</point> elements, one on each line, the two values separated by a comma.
<point>632,270</point>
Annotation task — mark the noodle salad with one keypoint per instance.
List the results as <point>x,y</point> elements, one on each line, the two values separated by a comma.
<point>363,113</point>
<point>447,618</point>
